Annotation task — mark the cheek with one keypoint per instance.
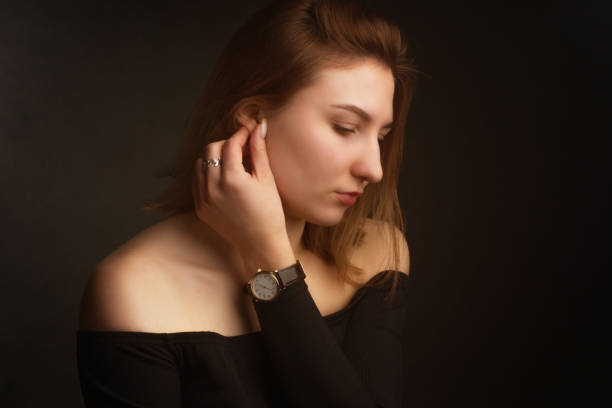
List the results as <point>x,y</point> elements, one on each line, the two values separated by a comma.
<point>303,158</point>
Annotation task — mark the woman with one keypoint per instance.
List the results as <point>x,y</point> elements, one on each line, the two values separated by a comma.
<point>280,276</point>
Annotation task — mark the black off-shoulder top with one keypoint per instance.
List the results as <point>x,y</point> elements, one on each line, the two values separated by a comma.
<point>350,358</point>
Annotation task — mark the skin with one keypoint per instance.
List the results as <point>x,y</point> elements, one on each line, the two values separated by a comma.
<point>298,168</point>
<point>162,279</point>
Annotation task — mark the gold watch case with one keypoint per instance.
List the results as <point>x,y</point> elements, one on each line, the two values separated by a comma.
<point>264,286</point>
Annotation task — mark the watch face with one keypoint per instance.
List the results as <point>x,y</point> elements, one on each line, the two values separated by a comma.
<point>265,286</point>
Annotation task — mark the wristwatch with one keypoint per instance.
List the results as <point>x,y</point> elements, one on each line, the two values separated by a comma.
<point>266,286</point>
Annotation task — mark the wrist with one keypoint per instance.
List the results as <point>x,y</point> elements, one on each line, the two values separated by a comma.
<point>276,257</point>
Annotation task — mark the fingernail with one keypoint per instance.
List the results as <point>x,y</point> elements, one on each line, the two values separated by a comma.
<point>264,128</point>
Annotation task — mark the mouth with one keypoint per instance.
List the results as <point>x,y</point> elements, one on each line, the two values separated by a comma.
<point>348,198</point>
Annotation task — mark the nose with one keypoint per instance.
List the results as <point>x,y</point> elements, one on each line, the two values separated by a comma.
<point>367,166</point>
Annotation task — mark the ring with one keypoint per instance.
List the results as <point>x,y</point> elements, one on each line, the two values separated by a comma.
<point>214,162</point>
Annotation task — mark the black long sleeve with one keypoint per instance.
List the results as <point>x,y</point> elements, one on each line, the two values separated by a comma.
<point>352,358</point>
<point>314,370</point>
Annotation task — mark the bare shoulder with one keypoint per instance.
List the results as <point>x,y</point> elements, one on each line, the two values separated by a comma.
<point>376,252</point>
<point>125,289</point>
<point>162,280</point>
<point>120,294</point>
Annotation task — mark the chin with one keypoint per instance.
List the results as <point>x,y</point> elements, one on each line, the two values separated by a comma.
<point>325,215</point>
<point>327,219</point>
<point>324,223</point>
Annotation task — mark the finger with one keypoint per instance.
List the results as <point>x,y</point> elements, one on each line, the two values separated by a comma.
<point>198,183</point>
<point>258,152</point>
<point>232,151</point>
<point>212,173</point>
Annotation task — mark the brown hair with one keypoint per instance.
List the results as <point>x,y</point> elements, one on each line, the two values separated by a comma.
<point>277,52</point>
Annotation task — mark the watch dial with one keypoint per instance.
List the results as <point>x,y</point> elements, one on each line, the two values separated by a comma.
<point>265,286</point>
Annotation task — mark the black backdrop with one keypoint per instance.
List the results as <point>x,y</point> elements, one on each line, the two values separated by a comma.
<point>501,184</point>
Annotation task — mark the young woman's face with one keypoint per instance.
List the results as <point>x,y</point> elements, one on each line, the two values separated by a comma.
<point>312,158</point>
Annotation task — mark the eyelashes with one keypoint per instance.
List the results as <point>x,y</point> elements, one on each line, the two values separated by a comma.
<point>345,131</point>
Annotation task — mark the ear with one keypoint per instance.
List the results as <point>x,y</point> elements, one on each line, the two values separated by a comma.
<point>249,115</point>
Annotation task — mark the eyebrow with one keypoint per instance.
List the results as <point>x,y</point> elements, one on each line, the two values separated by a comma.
<point>363,114</point>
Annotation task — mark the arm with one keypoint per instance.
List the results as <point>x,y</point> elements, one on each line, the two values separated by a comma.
<point>245,209</point>
<point>315,371</point>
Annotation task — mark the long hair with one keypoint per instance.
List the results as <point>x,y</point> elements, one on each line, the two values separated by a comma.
<point>274,54</point>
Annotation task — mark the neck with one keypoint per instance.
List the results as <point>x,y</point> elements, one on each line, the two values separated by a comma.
<point>295,230</point>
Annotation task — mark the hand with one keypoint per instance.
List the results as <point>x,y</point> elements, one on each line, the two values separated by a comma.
<point>244,208</point>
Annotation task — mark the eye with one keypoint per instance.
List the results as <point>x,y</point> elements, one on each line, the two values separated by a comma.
<point>346,131</point>
<point>343,130</point>
<point>383,137</point>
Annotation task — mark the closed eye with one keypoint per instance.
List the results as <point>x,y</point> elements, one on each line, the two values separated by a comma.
<point>346,131</point>
<point>343,130</point>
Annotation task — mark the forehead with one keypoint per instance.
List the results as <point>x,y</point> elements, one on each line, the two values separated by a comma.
<point>368,85</point>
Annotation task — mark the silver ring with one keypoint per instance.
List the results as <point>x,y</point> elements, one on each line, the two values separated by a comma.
<point>214,162</point>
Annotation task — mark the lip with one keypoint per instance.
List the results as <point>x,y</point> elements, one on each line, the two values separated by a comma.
<point>348,198</point>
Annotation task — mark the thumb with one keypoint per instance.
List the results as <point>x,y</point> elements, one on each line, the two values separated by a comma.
<point>257,149</point>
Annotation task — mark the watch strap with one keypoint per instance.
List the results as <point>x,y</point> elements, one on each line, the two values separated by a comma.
<point>285,276</point>
<point>290,274</point>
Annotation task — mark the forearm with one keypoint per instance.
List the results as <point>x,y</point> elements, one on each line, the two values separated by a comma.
<point>314,369</point>
<point>275,256</point>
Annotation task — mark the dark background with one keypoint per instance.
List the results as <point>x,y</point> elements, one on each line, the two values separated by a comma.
<point>502,185</point>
